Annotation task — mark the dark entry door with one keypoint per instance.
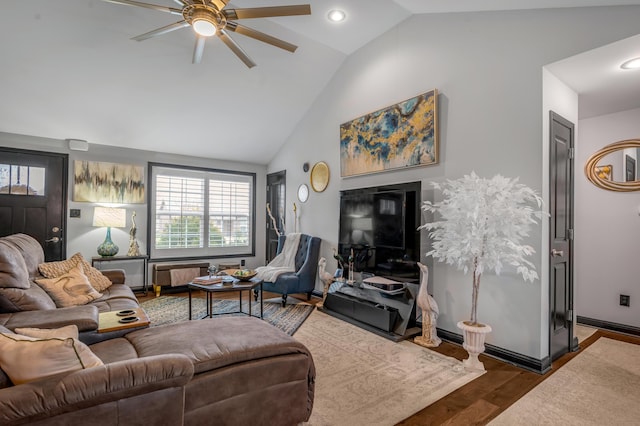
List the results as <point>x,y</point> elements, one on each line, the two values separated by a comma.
<point>276,187</point>
<point>561,236</point>
<point>33,197</point>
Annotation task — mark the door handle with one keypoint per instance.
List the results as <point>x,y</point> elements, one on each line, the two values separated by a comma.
<point>557,253</point>
<point>52,240</point>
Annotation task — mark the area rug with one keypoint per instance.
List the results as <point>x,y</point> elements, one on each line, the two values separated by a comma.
<point>364,379</point>
<point>600,386</point>
<point>169,309</point>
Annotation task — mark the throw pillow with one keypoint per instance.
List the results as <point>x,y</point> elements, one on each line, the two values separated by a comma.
<point>26,359</point>
<point>55,269</point>
<point>66,332</point>
<point>70,289</point>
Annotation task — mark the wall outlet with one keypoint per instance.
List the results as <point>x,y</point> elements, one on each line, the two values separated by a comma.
<point>625,300</point>
<point>242,262</point>
<point>74,213</point>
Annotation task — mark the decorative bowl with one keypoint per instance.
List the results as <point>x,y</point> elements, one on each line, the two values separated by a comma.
<point>244,274</point>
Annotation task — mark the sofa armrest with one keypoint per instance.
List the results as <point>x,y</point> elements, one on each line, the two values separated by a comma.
<point>85,317</point>
<point>94,386</point>
<point>116,276</point>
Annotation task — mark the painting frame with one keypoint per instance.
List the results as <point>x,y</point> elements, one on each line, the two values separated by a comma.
<point>605,172</point>
<point>103,182</point>
<point>399,136</point>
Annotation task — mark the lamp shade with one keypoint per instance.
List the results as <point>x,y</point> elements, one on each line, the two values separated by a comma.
<point>110,217</point>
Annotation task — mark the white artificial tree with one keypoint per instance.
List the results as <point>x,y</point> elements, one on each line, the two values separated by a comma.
<point>481,225</point>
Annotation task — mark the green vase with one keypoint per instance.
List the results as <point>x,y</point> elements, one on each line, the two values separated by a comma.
<point>108,248</point>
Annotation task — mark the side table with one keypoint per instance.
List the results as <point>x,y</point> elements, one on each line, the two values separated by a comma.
<point>142,258</point>
<point>225,286</point>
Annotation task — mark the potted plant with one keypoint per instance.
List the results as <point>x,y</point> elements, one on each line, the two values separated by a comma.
<point>480,227</point>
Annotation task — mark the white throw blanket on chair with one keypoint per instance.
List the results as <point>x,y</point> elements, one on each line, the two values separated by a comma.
<point>284,262</point>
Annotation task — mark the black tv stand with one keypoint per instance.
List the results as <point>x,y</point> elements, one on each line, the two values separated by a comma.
<point>389,316</point>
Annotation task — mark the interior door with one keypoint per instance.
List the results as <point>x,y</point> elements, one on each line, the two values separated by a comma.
<point>276,197</point>
<point>561,236</point>
<point>33,197</point>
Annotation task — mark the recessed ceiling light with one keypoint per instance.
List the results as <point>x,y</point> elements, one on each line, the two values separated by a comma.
<point>336,15</point>
<point>631,64</point>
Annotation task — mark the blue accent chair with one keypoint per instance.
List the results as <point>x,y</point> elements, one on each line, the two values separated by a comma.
<point>303,280</point>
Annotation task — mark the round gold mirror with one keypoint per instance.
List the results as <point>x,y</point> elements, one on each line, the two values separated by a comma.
<point>601,175</point>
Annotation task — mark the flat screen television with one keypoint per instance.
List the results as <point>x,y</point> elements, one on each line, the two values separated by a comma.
<point>380,225</point>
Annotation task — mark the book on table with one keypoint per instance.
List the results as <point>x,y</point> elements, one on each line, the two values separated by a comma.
<point>207,280</point>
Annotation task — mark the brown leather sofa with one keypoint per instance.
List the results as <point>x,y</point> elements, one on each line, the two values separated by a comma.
<point>245,372</point>
<point>222,371</point>
<point>23,303</point>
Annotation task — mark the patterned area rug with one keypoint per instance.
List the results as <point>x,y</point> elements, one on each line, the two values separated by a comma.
<point>597,387</point>
<point>169,309</point>
<point>364,379</point>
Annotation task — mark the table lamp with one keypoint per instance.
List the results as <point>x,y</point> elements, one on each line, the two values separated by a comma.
<point>109,217</point>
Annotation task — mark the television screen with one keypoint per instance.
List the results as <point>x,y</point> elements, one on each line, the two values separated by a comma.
<point>380,225</point>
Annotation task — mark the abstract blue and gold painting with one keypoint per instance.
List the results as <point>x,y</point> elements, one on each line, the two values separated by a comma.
<point>399,136</point>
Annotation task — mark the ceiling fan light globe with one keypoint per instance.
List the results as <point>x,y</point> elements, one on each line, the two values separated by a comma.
<point>204,27</point>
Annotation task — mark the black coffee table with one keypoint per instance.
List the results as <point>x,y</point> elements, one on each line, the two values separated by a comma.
<point>226,286</point>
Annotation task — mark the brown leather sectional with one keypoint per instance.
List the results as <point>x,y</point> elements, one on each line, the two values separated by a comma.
<point>222,371</point>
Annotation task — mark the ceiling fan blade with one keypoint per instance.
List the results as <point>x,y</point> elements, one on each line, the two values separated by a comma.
<point>220,4</point>
<point>163,30</point>
<point>199,49</point>
<point>267,12</point>
<point>147,5</point>
<point>266,38</point>
<point>222,34</point>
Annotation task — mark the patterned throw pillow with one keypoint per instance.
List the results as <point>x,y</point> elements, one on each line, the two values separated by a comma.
<point>55,269</point>
<point>70,289</point>
<point>26,359</point>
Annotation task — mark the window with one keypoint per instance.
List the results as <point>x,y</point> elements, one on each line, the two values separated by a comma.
<point>201,212</point>
<point>21,180</point>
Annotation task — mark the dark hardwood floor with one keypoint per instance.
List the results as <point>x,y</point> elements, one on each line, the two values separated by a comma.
<point>478,402</point>
<point>481,400</point>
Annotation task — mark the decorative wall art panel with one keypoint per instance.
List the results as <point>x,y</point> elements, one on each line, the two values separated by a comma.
<point>399,136</point>
<point>99,182</point>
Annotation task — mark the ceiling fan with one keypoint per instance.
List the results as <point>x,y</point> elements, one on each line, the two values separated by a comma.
<point>209,17</point>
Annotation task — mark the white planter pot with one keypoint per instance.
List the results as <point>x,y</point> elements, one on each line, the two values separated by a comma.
<point>474,336</point>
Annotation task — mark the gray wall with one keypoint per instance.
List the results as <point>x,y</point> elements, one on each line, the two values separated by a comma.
<point>84,238</point>
<point>607,227</point>
<point>488,69</point>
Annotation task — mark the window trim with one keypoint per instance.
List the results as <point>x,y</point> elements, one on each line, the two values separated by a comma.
<point>188,252</point>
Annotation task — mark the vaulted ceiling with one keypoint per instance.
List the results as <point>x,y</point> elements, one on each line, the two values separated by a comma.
<point>71,70</point>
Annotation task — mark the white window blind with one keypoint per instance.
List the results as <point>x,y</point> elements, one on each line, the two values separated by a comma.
<point>198,212</point>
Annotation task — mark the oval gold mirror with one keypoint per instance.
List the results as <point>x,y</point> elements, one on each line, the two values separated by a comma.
<point>601,175</point>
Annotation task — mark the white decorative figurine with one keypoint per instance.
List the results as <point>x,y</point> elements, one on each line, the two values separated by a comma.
<point>430,313</point>
<point>325,277</point>
<point>134,249</point>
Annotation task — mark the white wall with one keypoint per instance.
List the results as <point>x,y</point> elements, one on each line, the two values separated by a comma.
<point>607,228</point>
<point>487,67</point>
<point>84,238</point>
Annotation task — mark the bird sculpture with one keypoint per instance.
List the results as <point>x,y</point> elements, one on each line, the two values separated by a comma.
<point>338,258</point>
<point>430,313</point>
<point>325,277</point>
<point>134,248</point>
